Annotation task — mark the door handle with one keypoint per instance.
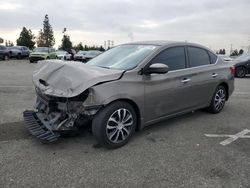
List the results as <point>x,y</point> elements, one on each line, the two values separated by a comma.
<point>214,75</point>
<point>185,80</point>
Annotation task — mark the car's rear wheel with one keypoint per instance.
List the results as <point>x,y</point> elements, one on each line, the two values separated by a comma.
<point>240,72</point>
<point>218,101</point>
<point>114,125</point>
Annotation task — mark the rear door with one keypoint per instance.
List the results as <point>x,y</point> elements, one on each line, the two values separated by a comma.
<point>204,74</point>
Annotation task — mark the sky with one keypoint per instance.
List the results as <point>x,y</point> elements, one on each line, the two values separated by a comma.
<point>212,23</point>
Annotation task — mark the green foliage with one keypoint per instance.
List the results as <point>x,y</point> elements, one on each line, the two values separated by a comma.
<point>1,40</point>
<point>8,43</point>
<point>86,48</point>
<point>79,47</point>
<point>66,43</point>
<point>26,38</point>
<point>241,51</point>
<point>222,51</point>
<point>234,53</point>
<point>101,49</point>
<point>46,36</point>
<point>40,39</point>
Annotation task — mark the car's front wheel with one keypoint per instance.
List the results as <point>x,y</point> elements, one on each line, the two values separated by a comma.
<point>218,101</point>
<point>114,125</point>
<point>240,72</point>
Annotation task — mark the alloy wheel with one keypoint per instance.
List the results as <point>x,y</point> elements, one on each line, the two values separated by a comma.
<point>119,125</point>
<point>219,100</point>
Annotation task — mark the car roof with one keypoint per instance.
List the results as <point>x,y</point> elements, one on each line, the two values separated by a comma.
<point>164,43</point>
<point>167,43</point>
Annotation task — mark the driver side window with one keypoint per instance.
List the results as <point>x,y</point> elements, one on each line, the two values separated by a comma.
<point>174,57</point>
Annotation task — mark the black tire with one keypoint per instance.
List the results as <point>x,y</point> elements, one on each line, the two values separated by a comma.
<point>240,72</point>
<point>218,101</point>
<point>110,115</point>
<point>19,56</point>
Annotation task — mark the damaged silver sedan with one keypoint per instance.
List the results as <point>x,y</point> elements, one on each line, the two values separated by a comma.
<point>127,88</point>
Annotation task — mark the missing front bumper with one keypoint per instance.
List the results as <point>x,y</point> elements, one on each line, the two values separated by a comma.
<point>36,128</point>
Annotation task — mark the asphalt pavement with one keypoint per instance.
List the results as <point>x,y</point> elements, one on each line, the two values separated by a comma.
<point>182,152</point>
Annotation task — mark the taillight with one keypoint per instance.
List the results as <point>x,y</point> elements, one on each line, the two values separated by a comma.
<point>232,69</point>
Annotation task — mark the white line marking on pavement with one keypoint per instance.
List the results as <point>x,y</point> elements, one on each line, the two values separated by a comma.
<point>231,138</point>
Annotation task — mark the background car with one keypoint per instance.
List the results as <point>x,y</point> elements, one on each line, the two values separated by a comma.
<point>19,52</point>
<point>42,53</point>
<point>79,56</point>
<point>4,53</point>
<point>63,55</point>
<point>242,65</point>
<point>91,54</point>
<point>72,52</point>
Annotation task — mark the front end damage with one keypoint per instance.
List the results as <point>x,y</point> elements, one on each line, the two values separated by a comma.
<point>65,97</point>
<point>53,115</point>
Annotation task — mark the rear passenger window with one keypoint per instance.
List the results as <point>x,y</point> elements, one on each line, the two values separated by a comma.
<point>173,57</point>
<point>213,57</point>
<point>198,57</point>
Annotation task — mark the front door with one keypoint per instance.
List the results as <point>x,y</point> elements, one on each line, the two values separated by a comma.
<point>168,93</point>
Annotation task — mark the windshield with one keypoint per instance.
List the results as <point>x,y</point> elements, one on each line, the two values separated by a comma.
<point>42,49</point>
<point>124,57</point>
<point>244,57</point>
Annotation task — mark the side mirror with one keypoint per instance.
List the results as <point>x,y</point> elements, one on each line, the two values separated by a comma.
<point>157,68</point>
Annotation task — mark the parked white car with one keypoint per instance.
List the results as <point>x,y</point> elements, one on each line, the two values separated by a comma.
<point>80,56</point>
<point>63,55</point>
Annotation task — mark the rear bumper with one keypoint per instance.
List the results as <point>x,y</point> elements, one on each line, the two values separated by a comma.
<point>37,128</point>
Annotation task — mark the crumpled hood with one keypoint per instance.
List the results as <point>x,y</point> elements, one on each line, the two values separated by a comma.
<point>69,79</point>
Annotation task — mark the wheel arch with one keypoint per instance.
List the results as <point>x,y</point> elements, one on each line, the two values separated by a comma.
<point>225,85</point>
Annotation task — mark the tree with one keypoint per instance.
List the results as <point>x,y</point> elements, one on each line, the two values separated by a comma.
<point>46,36</point>
<point>78,47</point>
<point>101,49</point>
<point>1,40</point>
<point>8,43</point>
<point>222,51</point>
<point>241,51</point>
<point>66,43</point>
<point>235,53</point>
<point>26,38</point>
